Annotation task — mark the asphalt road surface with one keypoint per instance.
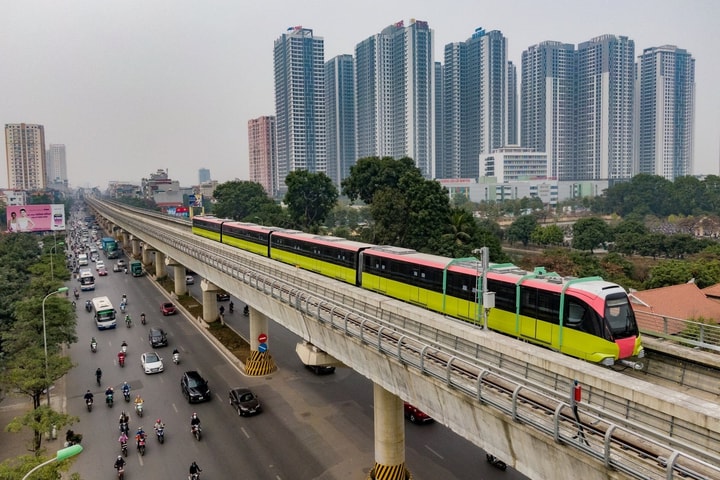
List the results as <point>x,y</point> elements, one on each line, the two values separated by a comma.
<point>312,427</point>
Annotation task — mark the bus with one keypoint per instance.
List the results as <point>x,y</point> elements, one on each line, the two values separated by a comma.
<point>87,280</point>
<point>83,259</point>
<point>103,313</point>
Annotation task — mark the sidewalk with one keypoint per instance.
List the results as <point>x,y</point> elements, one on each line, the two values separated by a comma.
<point>14,405</point>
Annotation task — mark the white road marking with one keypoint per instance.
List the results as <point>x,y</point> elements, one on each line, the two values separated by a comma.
<point>175,408</point>
<point>245,432</point>
<point>435,453</point>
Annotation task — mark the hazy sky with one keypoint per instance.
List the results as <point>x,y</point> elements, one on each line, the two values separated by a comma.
<point>131,86</point>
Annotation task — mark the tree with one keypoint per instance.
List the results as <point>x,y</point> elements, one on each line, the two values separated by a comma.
<point>16,468</point>
<point>371,174</point>
<point>310,197</point>
<point>590,232</point>
<point>241,200</point>
<point>548,235</point>
<point>40,420</point>
<point>521,229</point>
<point>461,227</point>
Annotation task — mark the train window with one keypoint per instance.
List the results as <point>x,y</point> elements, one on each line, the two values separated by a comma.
<point>579,316</point>
<point>620,316</point>
<point>548,306</point>
<point>505,294</point>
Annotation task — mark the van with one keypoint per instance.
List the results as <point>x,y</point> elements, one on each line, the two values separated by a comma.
<point>83,259</point>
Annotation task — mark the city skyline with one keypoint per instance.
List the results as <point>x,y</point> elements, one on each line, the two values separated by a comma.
<point>128,96</point>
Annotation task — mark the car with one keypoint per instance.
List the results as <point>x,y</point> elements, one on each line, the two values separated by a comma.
<point>189,280</point>
<point>223,297</point>
<point>415,415</point>
<point>244,401</point>
<point>121,263</point>
<point>116,268</point>
<point>157,337</point>
<point>99,264</point>
<point>167,308</point>
<point>151,363</point>
<point>102,272</point>
<point>194,387</point>
<point>321,369</point>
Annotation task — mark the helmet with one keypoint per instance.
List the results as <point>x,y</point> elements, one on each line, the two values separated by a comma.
<point>119,457</point>
<point>158,421</point>
<point>194,415</point>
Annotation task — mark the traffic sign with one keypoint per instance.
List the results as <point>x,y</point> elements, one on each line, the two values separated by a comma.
<point>262,338</point>
<point>262,347</point>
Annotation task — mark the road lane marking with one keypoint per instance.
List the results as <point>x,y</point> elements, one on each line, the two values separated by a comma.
<point>140,458</point>
<point>245,432</point>
<point>175,408</point>
<point>435,453</point>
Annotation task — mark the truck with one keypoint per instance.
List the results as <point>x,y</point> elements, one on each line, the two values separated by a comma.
<point>110,247</point>
<point>136,268</point>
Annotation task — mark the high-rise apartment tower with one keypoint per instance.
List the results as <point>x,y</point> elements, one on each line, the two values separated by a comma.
<point>25,154</point>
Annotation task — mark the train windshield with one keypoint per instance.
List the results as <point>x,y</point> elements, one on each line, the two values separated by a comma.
<point>620,316</point>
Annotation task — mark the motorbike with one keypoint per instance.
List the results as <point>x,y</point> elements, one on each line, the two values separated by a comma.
<point>139,409</point>
<point>89,403</point>
<point>141,445</point>
<point>142,319</point>
<point>128,321</point>
<point>496,462</point>
<point>232,307</point>
<point>197,432</point>
<point>126,394</point>
<point>109,399</point>
<point>124,427</point>
<point>98,377</point>
<point>121,473</point>
<point>124,449</point>
<point>194,476</point>
<point>160,432</point>
<point>88,306</point>
<point>122,307</point>
<point>72,438</point>
<point>246,311</point>
<point>176,358</point>
<point>123,348</point>
<point>77,294</point>
<point>121,360</point>
<point>93,347</point>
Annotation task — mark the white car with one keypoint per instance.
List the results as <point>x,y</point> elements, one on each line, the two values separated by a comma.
<point>99,264</point>
<point>151,363</point>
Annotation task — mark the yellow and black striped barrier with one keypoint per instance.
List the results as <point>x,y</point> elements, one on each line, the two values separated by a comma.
<point>259,363</point>
<point>389,472</point>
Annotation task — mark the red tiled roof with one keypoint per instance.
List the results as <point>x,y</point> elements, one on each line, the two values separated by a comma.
<point>712,290</point>
<point>685,301</point>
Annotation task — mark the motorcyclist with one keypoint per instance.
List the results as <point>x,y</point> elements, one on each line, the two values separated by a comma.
<point>109,394</point>
<point>140,435</point>
<point>123,346</point>
<point>124,419</point>
<point>93,342</point>
<point>194,468</point>
<point>123,439</point>
<point>74,305</point>
<point>142,318</point>
<point>98,375</point>
<point>246,310</point>
<point>232,307</point>
<point>126,389</point>
<point>119,463</point>
<point>222,310</point>
<point>88,305</point>
<point>138,402</point>
<point>128,320</point>
<point>88,396</point>
<point>194,421</point>
<point>158,424</point>
<point>121,357</point>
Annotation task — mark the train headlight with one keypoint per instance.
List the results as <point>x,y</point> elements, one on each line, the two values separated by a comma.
<point>608,361</point>
<point>641,353</point>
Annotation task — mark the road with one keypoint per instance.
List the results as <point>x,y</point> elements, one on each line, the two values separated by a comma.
<point>313,427</point>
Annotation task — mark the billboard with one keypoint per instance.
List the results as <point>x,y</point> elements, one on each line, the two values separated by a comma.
<point>35,218</point>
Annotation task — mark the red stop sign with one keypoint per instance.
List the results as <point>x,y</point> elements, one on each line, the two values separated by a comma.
<point>262,338</point>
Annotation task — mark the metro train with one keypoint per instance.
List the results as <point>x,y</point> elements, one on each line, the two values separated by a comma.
<point>586,318</point>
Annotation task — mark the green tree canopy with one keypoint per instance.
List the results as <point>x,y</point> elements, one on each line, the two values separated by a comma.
<point>371,174</point>
<point>310,197</point>
<point>522,228</point>
<point>242,200</point>
<point>547,235</point>
<point>590,232</point>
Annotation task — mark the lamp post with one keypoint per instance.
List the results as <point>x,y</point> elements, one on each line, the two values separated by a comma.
<point>62,454</point>
<point>47,380</point>
<point>52,254</point>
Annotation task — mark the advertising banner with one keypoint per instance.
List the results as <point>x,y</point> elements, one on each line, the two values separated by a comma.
<point>35,218</point>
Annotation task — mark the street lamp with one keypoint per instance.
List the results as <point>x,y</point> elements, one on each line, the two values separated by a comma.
<point>62,454</point>
<point>52,254</point>
<point>47,380</point>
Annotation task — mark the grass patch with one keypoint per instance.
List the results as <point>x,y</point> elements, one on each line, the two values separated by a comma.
<point>231,340</point>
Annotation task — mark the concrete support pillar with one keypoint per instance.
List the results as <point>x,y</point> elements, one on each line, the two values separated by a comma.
<point>135,242</point>
<point>260,361</point>
<point>146,254</point>
<point>389,436</point>
<point>125,239</point>
<point>179,277</point>
<point>209,300</point>
<point>159,265</point>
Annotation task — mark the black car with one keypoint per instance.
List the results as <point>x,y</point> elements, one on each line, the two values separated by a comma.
<point>321,369</point>
<point>157,337</point>
<point>194,387</point>
<point>244,401</point>
<point>223,297</point>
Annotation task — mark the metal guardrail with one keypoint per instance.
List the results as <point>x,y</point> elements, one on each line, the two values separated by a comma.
<point>686,332</point>
<point>605,436</point>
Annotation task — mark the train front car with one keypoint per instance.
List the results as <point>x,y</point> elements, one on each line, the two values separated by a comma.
<point>617,338</point>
